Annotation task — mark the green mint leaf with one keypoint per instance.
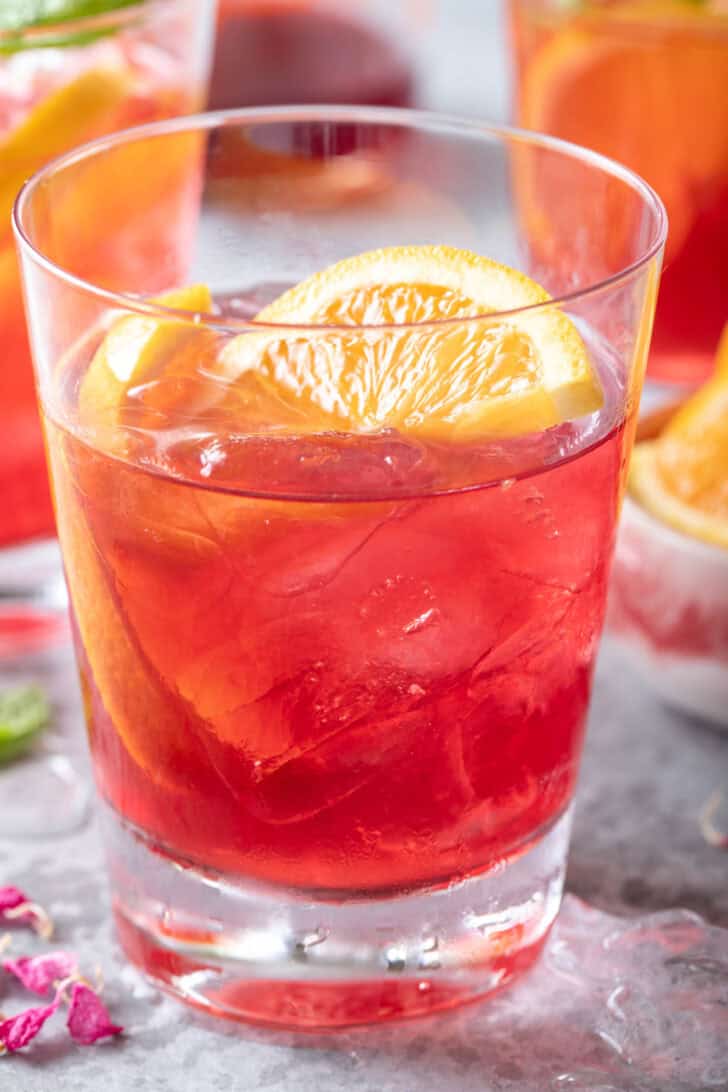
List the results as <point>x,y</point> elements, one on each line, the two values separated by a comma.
<point>19,16</point>
<point>24,714</point>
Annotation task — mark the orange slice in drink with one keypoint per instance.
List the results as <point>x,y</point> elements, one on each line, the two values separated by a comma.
<point>143,712</point>
<point>444,380</point>
<point>682,476</point>
<point>138,349</point>
<point>643,83</point>
<point>461,381</point>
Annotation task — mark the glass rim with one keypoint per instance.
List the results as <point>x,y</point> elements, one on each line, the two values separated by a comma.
<point>35,37</point>
<point>394,117</point>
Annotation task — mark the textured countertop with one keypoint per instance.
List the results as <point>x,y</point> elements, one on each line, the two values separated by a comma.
<point>637,849</point>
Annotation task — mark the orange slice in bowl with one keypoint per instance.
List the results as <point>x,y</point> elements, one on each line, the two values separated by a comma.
<point>682,476</point>
<point>461,381</point>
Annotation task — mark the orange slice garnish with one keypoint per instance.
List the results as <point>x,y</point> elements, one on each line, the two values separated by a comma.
<point>461,381</point>
<point>517,373</point>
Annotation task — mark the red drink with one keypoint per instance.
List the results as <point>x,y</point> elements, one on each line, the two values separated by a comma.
<point>278,52</point>
<point>363,696</point>
<point>337,554</point>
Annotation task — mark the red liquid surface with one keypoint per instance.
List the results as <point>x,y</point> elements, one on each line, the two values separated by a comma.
<point>343,696</point>
<point>283,53</point>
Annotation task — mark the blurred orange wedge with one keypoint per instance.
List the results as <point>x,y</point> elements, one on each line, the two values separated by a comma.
<point>682,476</point>
<point>644,83</point>
<point>518,373</point>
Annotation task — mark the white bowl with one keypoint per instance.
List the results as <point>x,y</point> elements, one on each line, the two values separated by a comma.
<point>668,604</point>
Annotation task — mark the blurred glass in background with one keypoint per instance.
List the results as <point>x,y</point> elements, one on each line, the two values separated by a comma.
<point>446,56</point>
<point>647,84</point>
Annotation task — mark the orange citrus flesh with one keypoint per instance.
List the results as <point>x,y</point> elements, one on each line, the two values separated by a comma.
<point>447,381</point>
<point>644,83</point>
<point>139,349</point>
<point>682,476</point>
<point>442,380</point>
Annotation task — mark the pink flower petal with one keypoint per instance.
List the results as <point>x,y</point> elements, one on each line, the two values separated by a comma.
<point>88,1019</point>
<point>38,973</point>
<point>17,1031</point>
<point>16,906</point>
<point>10,897</point>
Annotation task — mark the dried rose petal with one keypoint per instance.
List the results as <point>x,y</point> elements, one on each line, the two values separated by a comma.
<point>17,1031</point>
<point>10,897</point>
<point>39,973</point>
<point>16,906</point>
<point>88,1019</point>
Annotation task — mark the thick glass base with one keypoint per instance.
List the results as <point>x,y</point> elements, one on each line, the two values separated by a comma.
<point>289,959</point>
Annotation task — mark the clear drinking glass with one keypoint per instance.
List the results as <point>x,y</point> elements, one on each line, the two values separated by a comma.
<point>646,84</point>
<point>60,85</point>
<point>335,681</point>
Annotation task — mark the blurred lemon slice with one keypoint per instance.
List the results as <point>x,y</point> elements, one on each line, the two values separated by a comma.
<point>441,380</point>
<point>84,108</point>
<point>682,476</point>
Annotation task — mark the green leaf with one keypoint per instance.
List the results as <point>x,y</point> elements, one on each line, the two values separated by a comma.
<point>19,16</point>
<point>24,714</point>
<point>22,14</point>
